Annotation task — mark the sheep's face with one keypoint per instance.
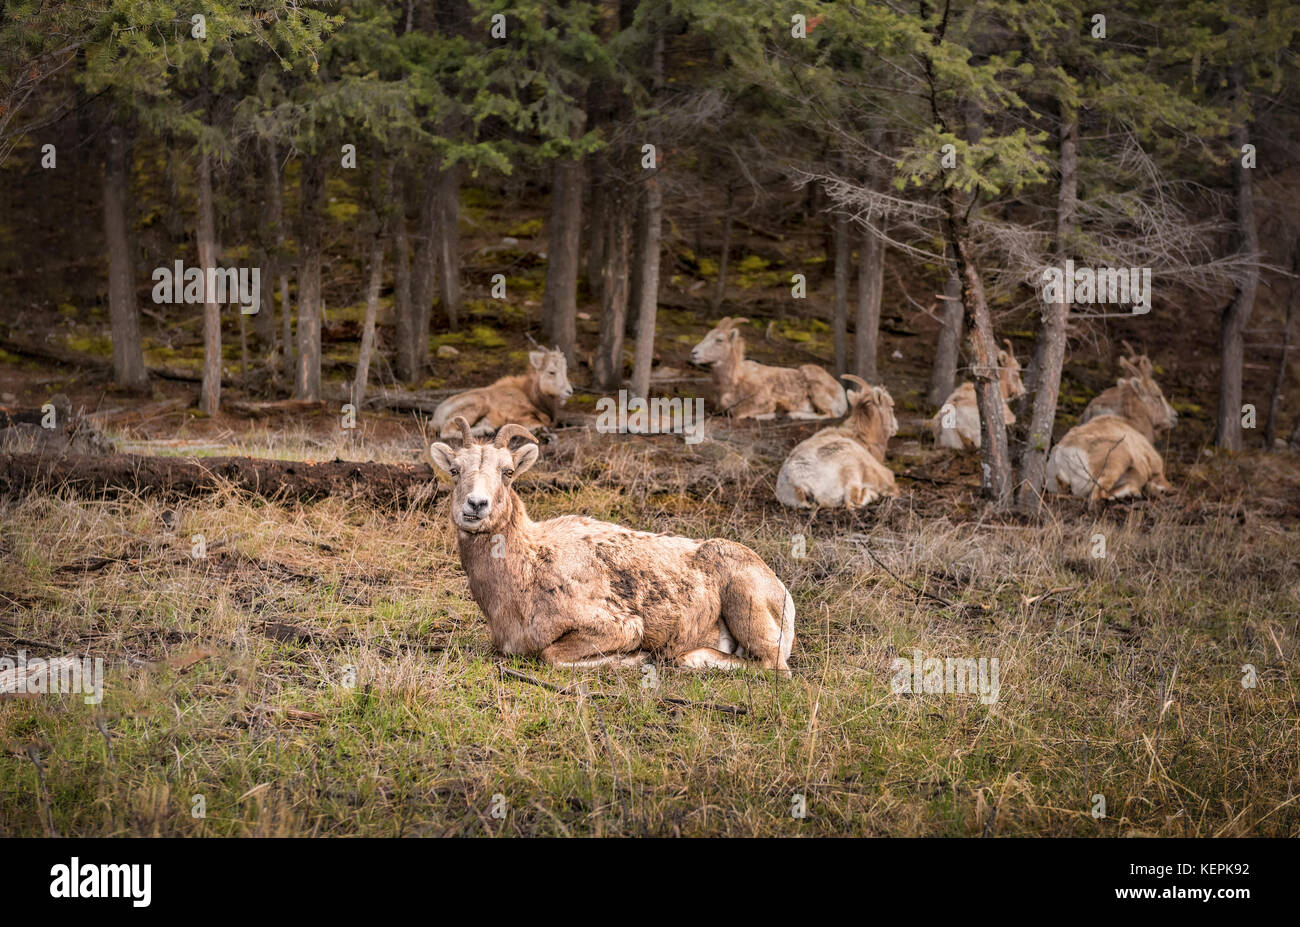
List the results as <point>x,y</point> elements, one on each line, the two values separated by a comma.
<point>552,374</point>
<point>1012,386</point>
<point>480,476</point>
<point>885,408</point>
<point>875,401</point>
<point>717,344</point>
<point>1160,412</point>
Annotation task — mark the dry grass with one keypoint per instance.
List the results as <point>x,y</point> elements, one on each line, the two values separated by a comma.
<point>226,675</point>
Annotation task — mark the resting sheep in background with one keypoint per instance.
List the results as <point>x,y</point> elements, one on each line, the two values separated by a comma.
<point>1131,398</point>
<point>532,399</point>
<point>844,465</point>
<point>963,433</point>
<point>1112,456</point>
<point>751,390</point>
<point>579,592</point>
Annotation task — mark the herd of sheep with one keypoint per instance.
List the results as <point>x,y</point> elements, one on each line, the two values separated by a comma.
<point>1109,455</point>
<point>578,592</point>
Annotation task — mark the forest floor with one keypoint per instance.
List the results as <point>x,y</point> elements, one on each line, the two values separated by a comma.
<point>323,670</point>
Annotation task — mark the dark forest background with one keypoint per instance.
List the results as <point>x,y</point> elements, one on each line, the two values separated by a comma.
<point>422,175</point>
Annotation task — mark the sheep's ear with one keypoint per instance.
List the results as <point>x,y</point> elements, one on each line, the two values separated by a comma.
<point>441,456</point>
<point>1127,366</point>
<point>525,457</point>
<point>536,358</point>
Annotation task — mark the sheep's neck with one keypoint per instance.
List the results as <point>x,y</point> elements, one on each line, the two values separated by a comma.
<point>726,370</point>
<point>495,581</point>
<point>867,428</point>
<point>533,390</point>
<point>1136,414</point>
<point>1005,377</point>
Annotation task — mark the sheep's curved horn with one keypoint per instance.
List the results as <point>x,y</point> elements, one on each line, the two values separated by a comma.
<point>466,436</point>
<point>1128,347</point>
<point>509,431</point>
<point>854,378</point>
<point>738,320</point>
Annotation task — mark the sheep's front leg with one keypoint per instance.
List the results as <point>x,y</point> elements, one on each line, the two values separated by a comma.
<point>712,658</point>
<point>583,649</point>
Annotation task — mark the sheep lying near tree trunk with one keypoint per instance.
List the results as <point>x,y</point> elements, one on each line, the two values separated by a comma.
<point>1137,398</point>
<point>1112,456</point>
<point>532,399</point>
<point>751,390</point>
<point>579,592</point>
<point>957,424</point>
<point>844,465</point>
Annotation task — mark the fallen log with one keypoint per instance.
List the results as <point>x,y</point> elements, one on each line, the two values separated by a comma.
<point>409,401</point>
<point>82,361</point>
<point>376,483</point>
<point>275,406</point>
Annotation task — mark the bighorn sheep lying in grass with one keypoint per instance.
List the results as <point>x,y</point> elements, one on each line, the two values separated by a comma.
<point>752,390</point>
<point>1112,456</point>
<point>844,465</point>
<point>532,399</point>
<point>1137,398</point>
<point>958,427</point>
<point>579,592</point>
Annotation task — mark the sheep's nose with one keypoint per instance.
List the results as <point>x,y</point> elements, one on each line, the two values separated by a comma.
<point>477,505</point>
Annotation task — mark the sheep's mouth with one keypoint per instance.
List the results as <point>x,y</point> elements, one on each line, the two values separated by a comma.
<point>470,522</point>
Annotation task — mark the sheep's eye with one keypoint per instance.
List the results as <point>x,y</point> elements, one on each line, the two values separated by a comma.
<point>454,471</point>
<point>508,471</point>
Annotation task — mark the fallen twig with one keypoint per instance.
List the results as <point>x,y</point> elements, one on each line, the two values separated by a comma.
<point>570,690</point>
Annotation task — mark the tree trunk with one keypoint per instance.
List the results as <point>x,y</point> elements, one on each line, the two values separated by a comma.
<point>724,253</point>
<point>1237,314</point>
<point>372,313</point>
<point>871,281</point>
<point>405,361</point>
<point>286,321</point>
<point>943,375</point>
<point>210,391</point>
<point>995,460</point>
<point>306,383</point>
<point>636,263</point>
<point>840,320</point>
<point>424,271</point>
<point>560,301</point>
<point>609,353</point>
<point>596,229</point>
<point>264,318</point>
<point>449,243</point>
<point>1279,378</point>
<point>1047,388</point>
<point>276,218</point>
<point>648,296</point>
<point>243,351</point>
<point>124,315</point>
